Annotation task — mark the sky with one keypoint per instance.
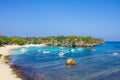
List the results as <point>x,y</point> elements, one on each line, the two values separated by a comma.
<point>96,18</point>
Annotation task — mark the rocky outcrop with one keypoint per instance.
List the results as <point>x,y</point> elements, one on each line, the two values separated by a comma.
<point>71,61</point>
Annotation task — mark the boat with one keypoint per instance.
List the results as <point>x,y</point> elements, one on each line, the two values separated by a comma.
<point>72,50</point>
<point>115,53</point>
<point>46,52</point>
<point>61,54</point>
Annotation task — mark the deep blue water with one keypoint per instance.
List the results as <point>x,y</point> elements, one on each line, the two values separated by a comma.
<point>98,63</point>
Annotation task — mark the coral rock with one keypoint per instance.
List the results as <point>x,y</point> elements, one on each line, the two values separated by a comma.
<point>71,61</point>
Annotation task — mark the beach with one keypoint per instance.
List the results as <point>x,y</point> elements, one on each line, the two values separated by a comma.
<point>6,73</point>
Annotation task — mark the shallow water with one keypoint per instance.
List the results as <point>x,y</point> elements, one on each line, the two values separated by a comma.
<point>44,63</point>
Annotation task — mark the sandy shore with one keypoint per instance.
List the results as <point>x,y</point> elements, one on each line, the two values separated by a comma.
<point>7,48</point>
<point>6,73</point>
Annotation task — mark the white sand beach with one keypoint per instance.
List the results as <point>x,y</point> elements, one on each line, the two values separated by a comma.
<point>5,70</point>
<point>7,48</point>
<point>6,73</point>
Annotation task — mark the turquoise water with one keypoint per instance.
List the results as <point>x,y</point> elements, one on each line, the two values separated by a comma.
<point>98,63</point>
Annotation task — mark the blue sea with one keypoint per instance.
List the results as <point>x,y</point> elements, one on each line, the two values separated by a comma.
<point>101,62</point>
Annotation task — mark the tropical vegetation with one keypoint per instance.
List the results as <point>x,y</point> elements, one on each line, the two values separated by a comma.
<point>72,41</point>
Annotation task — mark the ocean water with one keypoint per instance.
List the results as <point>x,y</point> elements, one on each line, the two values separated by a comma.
<point>48,63</point>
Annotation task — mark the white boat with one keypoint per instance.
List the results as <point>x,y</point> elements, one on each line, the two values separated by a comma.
<point>72,50</point>
<point>61,54</point>
<point>46,52</point>
<point>115,53</point>
<point>80,49</point>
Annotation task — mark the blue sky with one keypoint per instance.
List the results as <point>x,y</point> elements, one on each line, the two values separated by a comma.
<point>97,18</point>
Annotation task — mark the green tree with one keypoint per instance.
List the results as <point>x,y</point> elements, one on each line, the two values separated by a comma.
<point>18,40</point>
<point>4,40</point>
<point>88,40</point>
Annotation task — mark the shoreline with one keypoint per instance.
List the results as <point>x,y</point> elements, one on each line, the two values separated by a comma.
<point>8,72</point>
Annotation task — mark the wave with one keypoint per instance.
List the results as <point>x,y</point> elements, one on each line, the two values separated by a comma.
<point>23,50</point>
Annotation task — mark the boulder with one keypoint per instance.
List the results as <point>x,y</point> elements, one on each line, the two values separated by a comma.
<point>71,61</point>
